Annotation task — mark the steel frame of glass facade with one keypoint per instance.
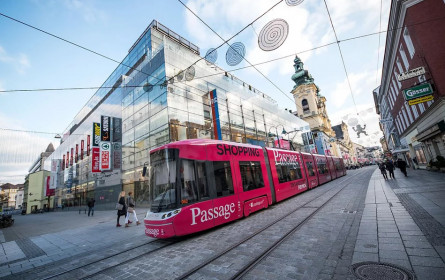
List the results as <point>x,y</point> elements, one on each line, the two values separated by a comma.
<point>155,112</point>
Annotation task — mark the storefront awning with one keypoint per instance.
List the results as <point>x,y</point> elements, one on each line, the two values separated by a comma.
<point>402,150</point>
<point>431,131</point>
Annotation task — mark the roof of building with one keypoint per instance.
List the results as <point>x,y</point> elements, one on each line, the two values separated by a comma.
<point>8,186</point>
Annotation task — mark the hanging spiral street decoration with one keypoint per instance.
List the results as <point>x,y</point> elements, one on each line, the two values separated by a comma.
<point>147,87</point>
<point>190,73</point>
<point>294,2</point>
<point>235,53</point>
<point>211,56</point>
<point>180,76</point>
<point>273,35</point>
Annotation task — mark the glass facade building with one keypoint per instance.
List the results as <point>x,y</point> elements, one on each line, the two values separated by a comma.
<point>161,93</point>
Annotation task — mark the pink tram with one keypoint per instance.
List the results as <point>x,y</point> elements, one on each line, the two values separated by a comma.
<point>198,184</point>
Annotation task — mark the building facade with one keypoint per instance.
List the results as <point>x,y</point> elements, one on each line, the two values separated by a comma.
<point>163,91</point>
<point>413,80</point>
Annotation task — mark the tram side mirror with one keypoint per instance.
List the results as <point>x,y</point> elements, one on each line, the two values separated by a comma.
<point>144,171</point>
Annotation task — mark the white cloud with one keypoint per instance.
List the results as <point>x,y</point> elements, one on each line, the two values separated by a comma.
<point>19,62</point>
<point>89,13</point>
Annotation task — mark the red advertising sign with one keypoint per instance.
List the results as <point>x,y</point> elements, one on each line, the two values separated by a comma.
<point>95,159</point>
<point>105,156</point>
<point>284,144</point>
<point>77,153</point>
<point>63,163</point>
<point>81,150</point>
<point>72,157</point>
<point>88,145</point>
<point>49,192</point>
<point>67,159</point>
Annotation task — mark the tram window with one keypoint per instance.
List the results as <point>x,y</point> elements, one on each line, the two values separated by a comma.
<point>310,168</point>
<point>337,166</point>
<point>251,175</point>
<point>189,192</point>
<point>203,188</point>
<point>289,172</point>
<point>322,167</point>
<point>223,178</point>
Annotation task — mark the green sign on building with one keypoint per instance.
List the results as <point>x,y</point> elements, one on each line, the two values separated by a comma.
<point>417,91</point>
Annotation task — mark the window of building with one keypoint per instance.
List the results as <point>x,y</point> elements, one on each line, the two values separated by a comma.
<point>399,65</point>
<point>404,57</point>
<point>251,175</point>
<point>422,108</point>
<point>399,85</point>
<point>305,106</point>
<point>420,155</point>
<point>310,168</point>
<point>416,114</point>
<point>409,42</point>
<point>223,178</point>
<point>408,111</point>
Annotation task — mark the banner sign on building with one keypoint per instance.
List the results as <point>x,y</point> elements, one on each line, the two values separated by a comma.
<point>96,134</point>
<point>420,100</point>
<point>48,190</point>
<point>88,145</point>
<point>411,74</point>
<point>105,124</point>
<point>105,156</point>
<point>63,163</point>
<point>67,159</point>
<point>418,91</point>
<point>72,157</point>
<point>117,155</point>
<point>95,159</point>
<point>215,114</point>
<point>81,149</point>
<point>117,130</point>
<point>77,153</point>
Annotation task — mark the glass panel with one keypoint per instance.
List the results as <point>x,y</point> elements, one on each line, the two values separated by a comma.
<point>288,171</point>
<point>251,175</point>
<point>189,191</point>
<point>223,178</point>
<point>310,168</point>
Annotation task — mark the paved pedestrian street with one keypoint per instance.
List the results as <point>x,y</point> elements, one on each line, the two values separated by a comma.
<point>398,223</point>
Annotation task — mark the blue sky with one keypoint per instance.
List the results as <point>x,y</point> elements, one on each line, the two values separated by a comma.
<point>33,60</point>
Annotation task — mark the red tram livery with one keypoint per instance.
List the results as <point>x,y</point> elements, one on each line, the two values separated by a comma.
<point>198,184</point>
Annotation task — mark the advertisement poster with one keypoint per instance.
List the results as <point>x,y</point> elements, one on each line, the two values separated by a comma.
<point>95,160</point>
<point>105,156</point>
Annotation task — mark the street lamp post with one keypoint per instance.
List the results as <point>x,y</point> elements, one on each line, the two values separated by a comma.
<point>276,131</point>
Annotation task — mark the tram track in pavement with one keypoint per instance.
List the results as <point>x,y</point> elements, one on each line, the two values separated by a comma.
<point>98,266</point>
<point>256,260</point>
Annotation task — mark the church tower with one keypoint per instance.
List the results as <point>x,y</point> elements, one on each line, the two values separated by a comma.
<point>311,105</point>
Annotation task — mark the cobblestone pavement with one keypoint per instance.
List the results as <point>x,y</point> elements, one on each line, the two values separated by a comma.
<point>398,221</point>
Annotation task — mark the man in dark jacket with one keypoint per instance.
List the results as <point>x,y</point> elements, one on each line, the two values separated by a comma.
<point>402,166</point>
<point>390,167</point>
<point>91,207</point>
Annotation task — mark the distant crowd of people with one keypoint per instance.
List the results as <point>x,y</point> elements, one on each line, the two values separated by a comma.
<point>389,165</point>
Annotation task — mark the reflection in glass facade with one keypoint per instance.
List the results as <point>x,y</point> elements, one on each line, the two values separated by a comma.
<point>160,101</point>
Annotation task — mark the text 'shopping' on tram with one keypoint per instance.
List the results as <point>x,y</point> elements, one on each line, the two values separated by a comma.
<point>199,184</point>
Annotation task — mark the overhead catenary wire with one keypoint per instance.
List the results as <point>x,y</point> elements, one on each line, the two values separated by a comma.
<point>226,42</point>
<point>236,69</point>
<point>341,55</point>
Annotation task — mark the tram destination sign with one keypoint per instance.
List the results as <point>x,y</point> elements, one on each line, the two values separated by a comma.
<point>411,74</point>
<point>418,91</point>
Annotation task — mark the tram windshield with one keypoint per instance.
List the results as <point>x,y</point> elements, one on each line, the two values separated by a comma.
<point>163,180</point>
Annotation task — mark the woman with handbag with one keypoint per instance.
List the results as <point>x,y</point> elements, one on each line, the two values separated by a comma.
<point>121,207</point>
<point>130,203</point>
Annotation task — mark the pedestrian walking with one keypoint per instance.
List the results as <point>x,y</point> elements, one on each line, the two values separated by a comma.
<point>390,167</point>
<point>402,166</point>
<point>383,170</point>
<point>91,206</point>
<point>123,210</point>
<point>131,210</point>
